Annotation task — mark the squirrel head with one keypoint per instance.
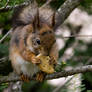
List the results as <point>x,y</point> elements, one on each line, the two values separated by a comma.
<point>42,35</point>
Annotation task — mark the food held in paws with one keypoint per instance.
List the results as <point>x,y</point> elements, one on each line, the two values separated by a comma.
<point>44,65</point>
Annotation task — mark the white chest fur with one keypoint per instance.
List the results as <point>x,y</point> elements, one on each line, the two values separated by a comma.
<point>22,66</point>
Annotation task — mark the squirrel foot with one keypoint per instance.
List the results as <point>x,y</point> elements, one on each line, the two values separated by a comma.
<point>40,76</point>
<point>25,78</point>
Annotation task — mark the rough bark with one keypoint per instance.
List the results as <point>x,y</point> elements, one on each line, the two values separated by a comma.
<point>82,69</point>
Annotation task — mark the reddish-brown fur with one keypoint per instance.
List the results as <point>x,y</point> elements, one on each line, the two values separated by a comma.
<point>23,35</point>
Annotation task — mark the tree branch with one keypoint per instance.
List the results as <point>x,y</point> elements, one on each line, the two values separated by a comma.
<point>5,35</point>
<point>82,69</point>
<point>65,10</point>
<point>62,13</point>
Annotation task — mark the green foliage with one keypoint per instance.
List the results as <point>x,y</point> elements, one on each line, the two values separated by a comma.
<point>3,86</point>
<point>11,2</point>
<point>83,87</point>
<point>41,2</point>
<point>61,66</point>
<point>87,52</point>
<point>3,49</point>
<point>67,44</point>
<point>57,3</point>
<point>88,77</point>
<point>35,86</point>
<point>87,5</point>
<point>5,20</point>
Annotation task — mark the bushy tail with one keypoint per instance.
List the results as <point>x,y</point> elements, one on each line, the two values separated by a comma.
<point>24,15</point>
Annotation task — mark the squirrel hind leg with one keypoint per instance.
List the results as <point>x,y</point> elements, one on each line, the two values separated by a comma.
<point>25,78</point>
<point>40,76</point>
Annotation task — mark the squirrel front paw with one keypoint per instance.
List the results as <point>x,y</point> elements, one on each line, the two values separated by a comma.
<point>52,61</point>
<point>36,61</point>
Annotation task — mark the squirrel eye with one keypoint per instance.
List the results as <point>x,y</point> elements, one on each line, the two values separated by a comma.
<point>38,41</point>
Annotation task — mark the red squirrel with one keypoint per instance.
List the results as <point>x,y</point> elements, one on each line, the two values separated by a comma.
<point>30,37</point>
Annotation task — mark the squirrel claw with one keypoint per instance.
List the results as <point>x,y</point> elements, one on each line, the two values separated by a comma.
<point>52,61</point>
<point>25,78</point>
<point>40,77</point>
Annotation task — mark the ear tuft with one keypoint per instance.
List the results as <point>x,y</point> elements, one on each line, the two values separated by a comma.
<point>36,21</point>
<point>53,20</point>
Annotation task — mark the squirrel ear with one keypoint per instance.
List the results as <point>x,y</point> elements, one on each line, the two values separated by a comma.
<point>36,21</point>
<point>53,20</point>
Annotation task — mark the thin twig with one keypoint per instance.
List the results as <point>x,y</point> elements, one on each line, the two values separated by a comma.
<point>71,36</point>
<point>7,8</point>
<point>5,35</point>
<point>5,4</point>
<point>3,59</point>
<point>77,36</point>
